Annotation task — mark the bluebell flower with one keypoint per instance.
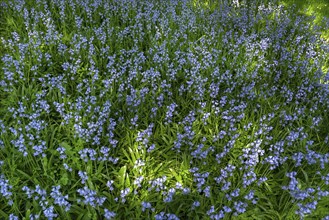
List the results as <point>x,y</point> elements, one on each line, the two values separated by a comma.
<point>171,192</point>
<point>218,216</point>
<point>49,213</point>
<point>226,186</point>
<point>13,217</point>
<point>134,121</point>
<point>123,194</point>
<point>66,167</point>
<point>158,184</point>
<point>100,200</point>
<point>39,149</point>
<point>90,197</point>
<point>326,179</point>
<point>59,198</point>
<point>274,161</point>
<point>250,195</point>
<point>5,187</point>
<point>195,204</point>
<point>149,149</point>
<point>207,191</point>
<point>138,181</point>
<point>225,173</point>
<point>41,192</point>
<point>324,159</point>
<point>164,216</point>
<point>322,193</point>
<point>34,216</point>
<point>306,209</point>
<point>227,209</point>
<point>261,180</point>
<point>28,192</point>
<point>146,205</point>
<point>235,193</point>
<point>109,184</point>
<point>211,210</point>
<point>170,112</point>
<point>88,152</point>
<point>83,176</point>
<point>109,215</point>
<point>61,151</point>
<point>240,207</point>
<point>19,143</point>
<point>186,191</point>
<point>246,178</point>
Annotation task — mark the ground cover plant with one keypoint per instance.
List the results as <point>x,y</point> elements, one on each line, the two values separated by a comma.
<point>162,110</point>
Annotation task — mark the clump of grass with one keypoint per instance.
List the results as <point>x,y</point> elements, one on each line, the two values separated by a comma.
<point>162,110</point>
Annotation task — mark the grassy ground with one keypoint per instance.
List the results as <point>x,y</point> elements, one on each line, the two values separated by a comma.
<point>163,110</point>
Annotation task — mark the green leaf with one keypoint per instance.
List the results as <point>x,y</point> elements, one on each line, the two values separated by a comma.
<point>45,164</point>
<point>127,180</point>
<point>77,209</point>
<point>54,129</point>
<point>134,158</point>
<point>81,216</point>
<point>268,187</point>
<point>157,168</point>
<point>64,179</point>
<point>3,215</point>
<point>127,155</point>
<point>87,216</point>
<point>100,167</point>
<point>178,178</point>
<point>306,176</point>
<point>166,139</point>
<point>121,176</point>
<point>24,174</point>
<point>27,214</point>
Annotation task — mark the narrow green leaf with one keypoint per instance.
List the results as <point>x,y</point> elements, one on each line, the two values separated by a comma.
<point>24,174</point>
<point>157,168</point>
<point>27,214</point>
<point>127,183</point>
<point>121,176</point>
<point>178,178</point>
<point>305,175</point>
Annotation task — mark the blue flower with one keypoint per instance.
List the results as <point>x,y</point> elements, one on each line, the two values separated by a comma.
<point>109,215</point>
<point>5,187</point>
<point>49,213</point>
<point>146,205</point>
<point>83,176</point>
<point>59,198</point>
<point>195,204</point>
<point>13,217</point>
